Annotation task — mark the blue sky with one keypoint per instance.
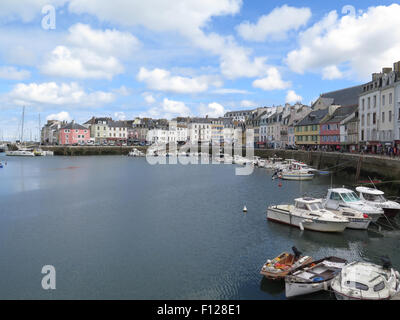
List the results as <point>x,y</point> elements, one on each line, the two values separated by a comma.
<point>160,58</point>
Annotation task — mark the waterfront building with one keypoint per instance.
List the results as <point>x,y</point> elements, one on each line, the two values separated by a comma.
<point>73,133</point>
<point>347,97</point>
<point>200,130</point>
<point>99,129</point>
<point>377,110</point>
<point>264,126</point>
<point>50,132</point>
<point>217,131</point>
<point>349,132</point>
<point>298,113</point>
<point>330,127</point>
<point>118,131</point>
<point>307,131</point>
<point>239,116</point>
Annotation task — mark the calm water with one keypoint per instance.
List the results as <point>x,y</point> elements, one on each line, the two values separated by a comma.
<point>118,228</point>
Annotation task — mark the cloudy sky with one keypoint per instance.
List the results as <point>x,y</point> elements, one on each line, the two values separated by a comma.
<point>168,58</point>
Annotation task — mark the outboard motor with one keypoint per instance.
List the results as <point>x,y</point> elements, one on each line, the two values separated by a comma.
<point>297,253</point>
<point>386,263</point>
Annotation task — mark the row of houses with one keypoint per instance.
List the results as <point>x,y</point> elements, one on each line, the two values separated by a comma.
<point>364,117</point>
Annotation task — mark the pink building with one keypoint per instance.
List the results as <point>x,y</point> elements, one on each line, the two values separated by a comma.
<point>73,133</point>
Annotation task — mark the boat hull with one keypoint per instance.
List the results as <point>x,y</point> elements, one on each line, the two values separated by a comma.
<point>20,154</point>
<point>297,177</point>
<point>280,216</point>
<point>295,289</point>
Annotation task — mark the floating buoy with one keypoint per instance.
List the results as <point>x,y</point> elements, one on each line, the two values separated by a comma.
<point>244,209</point>
<point>280,185</point>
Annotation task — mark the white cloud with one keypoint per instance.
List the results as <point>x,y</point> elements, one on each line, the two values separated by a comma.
<point>292,97</point>
<point>24,10</point>
<point>62,116</point>
<point>51,93</point>
<point>363,43</point>
<point>331,73</point>
<point>230,91</point>
<point>273,81</point>
<point>175,108</point>
<point>187,17</point>
<point>90,54</point>
<point>123,91</point>
<point>120,115</point>
<point>107,42</point>
<point>158,15</point>
<point>162,80</point>
<point>81,64</point>
<point>212,110</point>
<point>275,25</point>
<point>168,109</point>
<point>12,73</point>
<point>148,97</point>
<point>247,103</point>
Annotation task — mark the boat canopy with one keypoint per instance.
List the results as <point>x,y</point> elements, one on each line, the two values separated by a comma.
<point>371,191</point>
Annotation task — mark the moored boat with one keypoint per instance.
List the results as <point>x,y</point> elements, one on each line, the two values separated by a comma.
<point>366,281</point>
<point>313,277</point>
<point>346,198</point>
<point>309,214</point>
<point>376,198</point>
<point>279,267</point>
<point>357,219</point>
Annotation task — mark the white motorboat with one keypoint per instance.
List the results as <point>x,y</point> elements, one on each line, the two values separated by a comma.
<point>136,153</point>
<point>366,281</point>
<point>346,198</point>
<point>309,214</point>
<point>20,153</point>
<point>357,219</point>
<point>376,198</point>
<point>313,277</point>
<point>296,175</point>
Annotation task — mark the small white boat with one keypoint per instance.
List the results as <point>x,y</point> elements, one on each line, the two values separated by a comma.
<point>296,175</point>
<point>366,281</point>
<point>20,153</point>
<point>346,198</point>
<point>136,153</point>
<point>357,219</point>
<point>309,214</point>
<point>376,198</point>
<point>313,277</point>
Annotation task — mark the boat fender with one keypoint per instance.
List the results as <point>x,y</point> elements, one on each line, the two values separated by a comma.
<point>301,226</point>
<point>318,279</point>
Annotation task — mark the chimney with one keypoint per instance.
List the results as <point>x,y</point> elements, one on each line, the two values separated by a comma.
<point>386,70</point>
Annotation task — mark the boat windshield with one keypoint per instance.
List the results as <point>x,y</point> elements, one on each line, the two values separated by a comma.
<point>374,197</point>
<point>350,197</point>
<point>315,206</point>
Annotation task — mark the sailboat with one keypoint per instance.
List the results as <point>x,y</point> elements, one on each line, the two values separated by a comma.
<point>22,151</point>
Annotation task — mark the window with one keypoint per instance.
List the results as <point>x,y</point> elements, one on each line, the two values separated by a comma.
<point>390,116</point>
<point>383,100</point>
<point>374,118</point>
<point>383,117</point>
<point>363,104</point>
<point>374,101</point>
<point>335,196</point>
<point>357,285</point>
<point>390,98</point>
<point>369,103</point>
<point>379,287</point>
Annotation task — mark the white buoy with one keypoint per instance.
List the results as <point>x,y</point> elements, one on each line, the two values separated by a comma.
<point>244,209</point>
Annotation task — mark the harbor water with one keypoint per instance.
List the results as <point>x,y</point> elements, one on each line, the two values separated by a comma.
<point>118,228</point>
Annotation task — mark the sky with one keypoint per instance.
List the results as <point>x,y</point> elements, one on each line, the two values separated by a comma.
<point>74,59</point>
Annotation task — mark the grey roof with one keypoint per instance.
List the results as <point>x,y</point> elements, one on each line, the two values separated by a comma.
<point>345,97</point>
<point>341,114</point>
<point>119,124</point>
<point>74,126</point>
<point>314,117</point>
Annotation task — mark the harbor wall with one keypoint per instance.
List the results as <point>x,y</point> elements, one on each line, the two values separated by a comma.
<point>356,166</point>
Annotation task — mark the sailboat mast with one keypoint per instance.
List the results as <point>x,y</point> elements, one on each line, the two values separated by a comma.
<point>40,133</point>
<point>23,117</point>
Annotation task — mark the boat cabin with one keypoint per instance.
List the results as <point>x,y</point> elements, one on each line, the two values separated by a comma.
<point>337,196</point>
<point>309,204</point>
<point>370,194</point>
